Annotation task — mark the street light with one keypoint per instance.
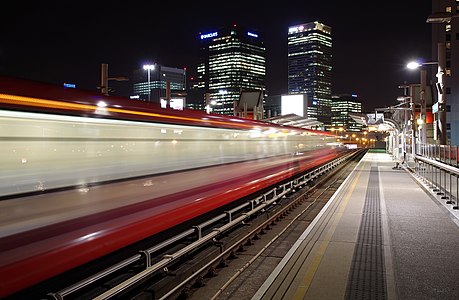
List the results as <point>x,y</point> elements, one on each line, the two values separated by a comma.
<point>413,66</point>
<point>148,68</point>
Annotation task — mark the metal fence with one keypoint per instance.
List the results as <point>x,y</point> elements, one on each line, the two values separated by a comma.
<point>438,166</point>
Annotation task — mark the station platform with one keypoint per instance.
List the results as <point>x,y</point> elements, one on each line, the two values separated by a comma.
<point>383,235</point>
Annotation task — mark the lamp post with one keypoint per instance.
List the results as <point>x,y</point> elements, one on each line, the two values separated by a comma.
<point>408,106</point>
<point>148,68</point>
<point>340,129</point>
<point>415,65</point>
<point>422,98</point>
<point>104,79</point>
<point>333,129</point>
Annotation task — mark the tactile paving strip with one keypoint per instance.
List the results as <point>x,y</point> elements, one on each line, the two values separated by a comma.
<point>367,274</point>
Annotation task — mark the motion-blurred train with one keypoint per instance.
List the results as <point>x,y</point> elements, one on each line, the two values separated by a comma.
<point>83,174</point>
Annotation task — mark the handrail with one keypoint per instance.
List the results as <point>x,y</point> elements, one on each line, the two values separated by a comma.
<point>441,165</point>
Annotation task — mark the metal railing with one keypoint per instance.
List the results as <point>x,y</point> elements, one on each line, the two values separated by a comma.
<point>438,166</point>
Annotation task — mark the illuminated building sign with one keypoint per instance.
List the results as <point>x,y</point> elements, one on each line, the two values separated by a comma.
<point>70,85</point>
<point>208,35</point>
<point>295,29</point>
<point>252,34</point>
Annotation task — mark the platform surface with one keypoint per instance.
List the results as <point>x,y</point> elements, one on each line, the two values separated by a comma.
<point>383,235</point>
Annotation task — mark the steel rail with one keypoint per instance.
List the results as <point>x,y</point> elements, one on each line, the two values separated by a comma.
<point>255,206</point>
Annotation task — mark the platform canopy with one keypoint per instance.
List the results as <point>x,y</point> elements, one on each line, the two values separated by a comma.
<point>295,121</point>
<point>375,120</point>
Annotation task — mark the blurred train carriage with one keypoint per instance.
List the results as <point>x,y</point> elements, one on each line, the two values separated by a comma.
<point>57,142</point>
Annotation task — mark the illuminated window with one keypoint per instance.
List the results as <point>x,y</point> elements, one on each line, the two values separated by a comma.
<point>448,9</point>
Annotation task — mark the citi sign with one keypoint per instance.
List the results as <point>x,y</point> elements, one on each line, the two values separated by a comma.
<point>208,35</point>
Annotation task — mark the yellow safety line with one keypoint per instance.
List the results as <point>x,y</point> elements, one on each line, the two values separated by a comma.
<point>305,283</point>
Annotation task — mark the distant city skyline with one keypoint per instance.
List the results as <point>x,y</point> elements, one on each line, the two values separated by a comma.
<point>57,43</point>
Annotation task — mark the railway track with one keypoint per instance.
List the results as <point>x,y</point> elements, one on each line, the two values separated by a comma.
<point>227,255</point>
<point>244,271</point>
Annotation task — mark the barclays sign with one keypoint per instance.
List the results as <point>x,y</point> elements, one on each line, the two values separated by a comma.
<point>208,35</point>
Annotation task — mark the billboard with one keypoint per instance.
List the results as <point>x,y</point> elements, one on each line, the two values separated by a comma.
<point>293,104</point>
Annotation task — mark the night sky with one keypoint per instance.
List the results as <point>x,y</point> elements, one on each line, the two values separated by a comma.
<point>67,41</point>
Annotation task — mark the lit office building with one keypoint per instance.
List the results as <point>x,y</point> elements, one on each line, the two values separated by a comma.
<point>310,66</point>
<point>195,98</point>
<point>447,32</point>
<point>341,106</point>
<point>155,89</point>
<point>232,60</point>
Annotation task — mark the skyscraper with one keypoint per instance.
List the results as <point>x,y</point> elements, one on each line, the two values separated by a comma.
<point>310,66</point>
<point>341,106</point>
<point>232,59</point>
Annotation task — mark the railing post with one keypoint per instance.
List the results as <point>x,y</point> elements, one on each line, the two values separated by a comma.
<point>457,193</point>
<point>434,168</point>
<point>431,169</point>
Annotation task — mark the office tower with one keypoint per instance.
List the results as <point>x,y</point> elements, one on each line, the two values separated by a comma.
<point>195,98</point>
<point>446,31</point>
<point>310,67</point>
<point>152,85</point>
<point>341,106</point>
<point>232,60</point>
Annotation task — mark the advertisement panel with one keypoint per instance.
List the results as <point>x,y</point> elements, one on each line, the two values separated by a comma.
<point>293,104</point>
